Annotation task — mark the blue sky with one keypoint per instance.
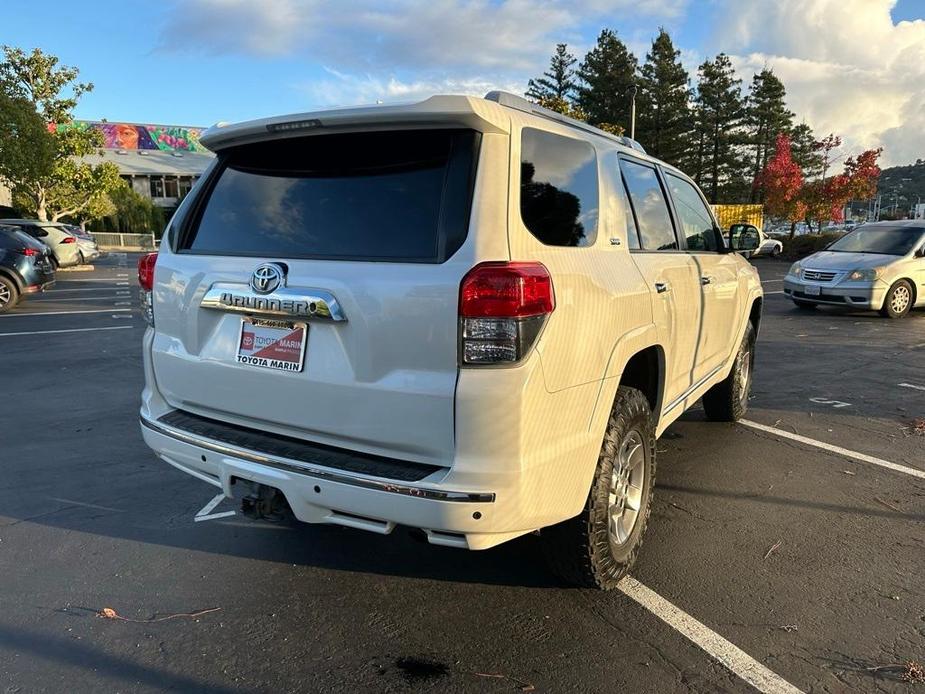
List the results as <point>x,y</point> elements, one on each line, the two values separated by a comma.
<point>199,61</point>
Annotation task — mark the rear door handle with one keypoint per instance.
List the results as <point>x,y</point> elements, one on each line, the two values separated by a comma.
<point>661,287</point>
<point>706,280</point>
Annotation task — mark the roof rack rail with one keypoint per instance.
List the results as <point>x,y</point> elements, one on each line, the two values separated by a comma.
<point>522,104</point>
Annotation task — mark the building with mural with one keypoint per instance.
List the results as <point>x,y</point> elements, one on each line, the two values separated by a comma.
<point>158,161</point>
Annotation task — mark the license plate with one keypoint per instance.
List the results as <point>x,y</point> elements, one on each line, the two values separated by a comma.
<point>272,344</point>
<point>811,290</point>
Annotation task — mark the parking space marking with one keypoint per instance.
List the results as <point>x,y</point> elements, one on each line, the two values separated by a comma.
<point>779,291</point>
<point>864,458</point>
<point>910,385</point>
<point>833,403</point>
<point>82,289</point>
<point>71,330</point>
<point>63,313</point>
<point>731,656</point>
<point>73,298</point>
<point>205,513</point>
<point>766,281</point>
<point>96,279</point>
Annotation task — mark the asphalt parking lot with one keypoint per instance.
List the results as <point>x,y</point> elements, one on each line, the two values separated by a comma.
<point>804,555</point>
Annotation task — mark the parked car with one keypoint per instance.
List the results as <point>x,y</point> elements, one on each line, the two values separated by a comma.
<point>78,231</point>
<point>748,237</point>
<point>878,266</point>
<point>468,316</point>
<point>89,249</point>
<point>25,266</point>
<point>65,247</point>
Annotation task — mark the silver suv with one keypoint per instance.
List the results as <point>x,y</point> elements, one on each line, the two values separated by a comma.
<point>468,316</point>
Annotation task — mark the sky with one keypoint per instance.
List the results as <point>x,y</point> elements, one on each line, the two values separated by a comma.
<point>852,67</point>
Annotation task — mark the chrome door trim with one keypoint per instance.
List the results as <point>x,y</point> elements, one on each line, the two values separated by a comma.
<point>686,394</point>
<point>290,302</point>
<point>322,474</point>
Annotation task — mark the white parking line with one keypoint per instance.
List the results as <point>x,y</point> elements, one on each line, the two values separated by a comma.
<point>72,298</point>
<point>97,279</point>
<point>766,281</point>
<point>62,313</point>
<point>205,513</point>
<point>779,291</point>
<point>731,656</point>
<point>864,458</point>
<point>910,385</point>
<point>71,330</point>
<point>87,289</point>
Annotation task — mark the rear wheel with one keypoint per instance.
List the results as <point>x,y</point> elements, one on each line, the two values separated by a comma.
<point>805,305</point>
<point>727,401</point>
<point>80,258</point>
<point>54,263</point>
<point>9,295</point>
<point>898,301</point>
<point>598,547</point>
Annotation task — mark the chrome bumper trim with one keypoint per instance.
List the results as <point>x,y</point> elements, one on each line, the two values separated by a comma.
<point>319,473</point>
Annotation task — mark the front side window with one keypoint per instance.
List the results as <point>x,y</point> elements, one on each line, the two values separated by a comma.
<point>558,188</point>
<point>656,232</point>
<point>693,216</point>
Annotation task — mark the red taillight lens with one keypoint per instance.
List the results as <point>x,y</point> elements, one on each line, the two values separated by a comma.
<point>28,251</point>
<point>502,310</point>
<point>508,290</point>
<point>68,239</point>
<point>146,271</point>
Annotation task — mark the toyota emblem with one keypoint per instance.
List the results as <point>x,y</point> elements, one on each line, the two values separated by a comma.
<point>267,278</point>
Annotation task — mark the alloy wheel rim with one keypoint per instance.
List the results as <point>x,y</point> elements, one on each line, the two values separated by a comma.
<point>745,374</point>
<point>900,299</point>
<point>627,481</point>
<point>5,295</point>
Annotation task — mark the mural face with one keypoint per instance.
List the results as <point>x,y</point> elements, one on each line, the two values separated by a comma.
<point>131,136</point>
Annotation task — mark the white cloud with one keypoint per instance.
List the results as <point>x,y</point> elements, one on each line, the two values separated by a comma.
<point>848,68</point>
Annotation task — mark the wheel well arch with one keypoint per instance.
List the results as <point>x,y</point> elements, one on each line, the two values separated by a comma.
<point>645,371</point>
<point>13,277</point>
<point>754,314</point>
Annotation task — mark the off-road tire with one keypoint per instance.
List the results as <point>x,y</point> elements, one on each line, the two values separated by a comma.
<point>727,401</point>
<point>8,288</point>
<point>579,550</point>
<point>888,310</point>
<point>804,305</point>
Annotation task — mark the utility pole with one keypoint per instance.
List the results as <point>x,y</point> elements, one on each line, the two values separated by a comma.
<point>633,112</point>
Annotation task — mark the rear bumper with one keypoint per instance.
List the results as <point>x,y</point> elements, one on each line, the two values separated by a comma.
<point>448,516</point>
<point>867,296</point>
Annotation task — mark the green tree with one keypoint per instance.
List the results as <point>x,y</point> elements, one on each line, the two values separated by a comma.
<point>718,119</point>
<point>766,117</point>
<point>664,117</point>
<point>606,76</point>
<point>65,185</point>
<point>27,149</point>
<point>131,212</point>
<point>805,152</point>
<point>558,82</point>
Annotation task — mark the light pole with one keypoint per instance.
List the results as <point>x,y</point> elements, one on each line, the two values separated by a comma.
<point>633,91</point>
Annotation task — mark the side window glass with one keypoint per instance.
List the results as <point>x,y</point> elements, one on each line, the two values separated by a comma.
<point>558,188</point>
<point>693,215</point>
<point>656,232</point>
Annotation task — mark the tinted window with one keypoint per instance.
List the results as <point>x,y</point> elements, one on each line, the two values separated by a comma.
<point>693,215</point>
<point>397,196</point>
<point>655,230</point>
<point>558,188</point>
<point>886,240</point>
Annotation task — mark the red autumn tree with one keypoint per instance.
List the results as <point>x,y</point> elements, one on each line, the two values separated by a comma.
<point>826,198</point>
<point>781,182</point>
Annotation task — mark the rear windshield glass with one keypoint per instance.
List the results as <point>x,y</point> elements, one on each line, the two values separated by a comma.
<point>394,196</point>
<point>886,240</point>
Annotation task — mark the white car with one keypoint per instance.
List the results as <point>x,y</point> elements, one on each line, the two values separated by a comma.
<point>65,249</point>
<point>468,316</point>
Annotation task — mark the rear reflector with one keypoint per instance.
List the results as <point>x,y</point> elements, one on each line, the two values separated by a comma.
<point>146,271</point>
<point>68,239</point>
<point>502,310</point>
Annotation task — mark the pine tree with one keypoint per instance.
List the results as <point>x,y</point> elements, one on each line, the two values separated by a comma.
<point>803,144</point>
<point>766,117</point>
<point>606,76</point>
<point>558,82</point>
<point>719,114</point>
<point>664,117</point>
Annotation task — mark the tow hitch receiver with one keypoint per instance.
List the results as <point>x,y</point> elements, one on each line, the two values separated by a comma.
<point>264,503</point>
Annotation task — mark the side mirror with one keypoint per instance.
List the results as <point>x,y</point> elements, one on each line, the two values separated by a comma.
<point>920,253</point>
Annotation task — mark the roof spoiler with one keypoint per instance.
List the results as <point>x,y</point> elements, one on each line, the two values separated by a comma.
<point>521,104</point>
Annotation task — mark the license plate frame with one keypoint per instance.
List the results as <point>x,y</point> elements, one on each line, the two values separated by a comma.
<point>812,290</point>
<point>276,336</point>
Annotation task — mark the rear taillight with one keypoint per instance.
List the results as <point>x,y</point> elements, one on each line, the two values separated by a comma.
<point>28,251</point>
<point>68,239</point>
<point>502,310</point>
<point>146,265</point>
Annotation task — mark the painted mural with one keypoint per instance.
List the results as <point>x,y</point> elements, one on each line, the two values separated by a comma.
<point>168,138</point>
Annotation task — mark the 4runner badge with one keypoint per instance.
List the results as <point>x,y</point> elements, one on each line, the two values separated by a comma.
<point>268,277</point>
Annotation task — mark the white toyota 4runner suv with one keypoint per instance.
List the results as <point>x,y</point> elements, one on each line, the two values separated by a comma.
<point>473,317</point>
